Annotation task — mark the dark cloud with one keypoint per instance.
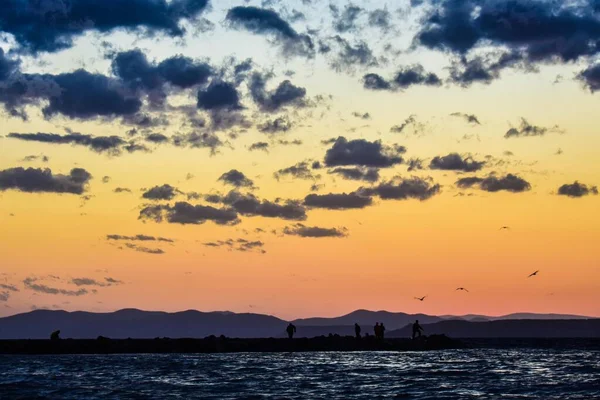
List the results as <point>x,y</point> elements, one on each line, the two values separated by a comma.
<point>87,282</point>
<point>411,120</point>
<point>415,75</point>
<point>277,125</point>
<point>143,249</point>
<point>236,178</point>
<point>262,146</point>
<point>363,153</point>
<point>301,170</point>
<point>380,18</point>
<point>357,173</point>
<point>122,190</point>
<point>577,189</point>
<point>238,245</point>
<point>376,82</point>
<point>11,288</point>
<point>492,183</point>
<point>219,95</point>
<point>591,77</point>
<point>31,158</point>
<point>347,19</point>
<point>139,237</point>
<point>470,118</point>
<point>30,283</point>
<point>112,280</point>
<point>314,231</point>
<point>414,164</point>
<point>156,138</point>
<point>295,142</point>
<point>112,145</point>
<point>403,189</point>
<point>164,192</point>
<point>348,56</point>
<point>340,201</point>
<point>535,30</point>
<point>43,180</point>
<point>526,129</point>
<point>263,21</point>
<point>456,162</point>
<point>199,140</point>
<point>54,24</point>
<point>250,205</point>
<point>186,213</point>
<point>285,94</point>
<point>7,66</point>
<point>361,115</point>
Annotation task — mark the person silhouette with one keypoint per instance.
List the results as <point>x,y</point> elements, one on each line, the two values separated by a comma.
<point>357,330</point>
<point>376,330</point>
<point>55,335</point>
<point>381,330</point>
<point>417,329</point>
<point>291,329</point>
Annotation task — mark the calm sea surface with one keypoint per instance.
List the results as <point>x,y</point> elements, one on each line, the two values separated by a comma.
<point>464,374</point>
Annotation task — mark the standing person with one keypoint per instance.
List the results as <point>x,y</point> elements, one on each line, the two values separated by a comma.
<point>357,330</point>
<point>417,329</point>
<point>291,329</point>
<point>376,330</point>
<point>381,330</point>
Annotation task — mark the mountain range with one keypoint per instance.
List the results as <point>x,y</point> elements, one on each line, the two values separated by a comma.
<point>132,323</point>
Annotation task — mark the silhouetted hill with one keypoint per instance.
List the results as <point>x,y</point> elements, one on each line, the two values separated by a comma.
<point>138,324</point>
<point>477,317</point>
<point>367,319</point>
<point>524,328</point>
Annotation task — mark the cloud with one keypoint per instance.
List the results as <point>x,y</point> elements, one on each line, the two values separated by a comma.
<point>122,190</point>
<point>42,158</point>
<point>113,281</point>
<point>374,81</point>
<point>346,20</point>
<point>363,153</point>
<point>263,21</point>
<point>53,25</point>
<point>236,178</point>
<point>347,56</point>
<point>357,174</point>
<point>526,130</point>
<point>380,18</point>
<point>156,138</point>
<point>361,115</point>
<point>301,170</point>
<point>455,162</point>
<point>164,192</point>
<point>277,125</point>
<point>186,213</point>
<point>238,245</point>
<point>93,282</point>
<point>140,237</point>
<point>403,189</point>
<point>259,146</point>
<point>314,231</point>
<point>415,75</point>
<point>577,189</point>
<point>250,205</point>
<point>492,183</point>
<point>286,94</point>
<point>470,118</point>
<point>341,201</point>
<point>143,249</point>
<point>591,77</point>
<point>219,95</point>
<point>11,288</point>
<point>538,31</point>
<point>30,283</point>
<point>410,121</point>
<point>197,140</point>
<point>112,145</point>
<point>43,180</point>
<point>7,66</point>
<point>295,142</point>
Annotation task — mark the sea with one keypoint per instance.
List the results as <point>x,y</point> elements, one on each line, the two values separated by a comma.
<point>450,374</point>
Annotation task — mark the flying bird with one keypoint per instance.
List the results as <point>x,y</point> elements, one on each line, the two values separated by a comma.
<point>462,288</point>
<point>420,298</point>
<point>504,228</point>
<point>533,274</point>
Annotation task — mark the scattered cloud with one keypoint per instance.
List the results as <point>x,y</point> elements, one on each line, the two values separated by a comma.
<point>140,237</point>
<point>357,173</point>
<point>362,152</point>
<point>577,189</point>
<point>403,189</point>
<point>456,162</point>
<point>43,180</point>
<point>492,183</point>
<point>186,213</point>
<point>164,192</point>
<point>340,201</point>
<point>243,245</point>
<point>30,283</point>
<point>236,178</point>
<point>314,231</point>
<point>526,129</point>
<point>302,170</point>
<point>470,118</point>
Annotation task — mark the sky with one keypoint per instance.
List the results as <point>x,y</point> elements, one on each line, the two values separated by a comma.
<point>300,158</point>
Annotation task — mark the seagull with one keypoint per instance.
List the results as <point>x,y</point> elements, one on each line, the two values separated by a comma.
<point>420,298</point>
<point>504,228</point>
<point>462,288</point>
<point>533,274</point>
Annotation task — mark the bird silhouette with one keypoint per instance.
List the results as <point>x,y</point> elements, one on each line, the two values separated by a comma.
<point>533,274</point>
<point>420,298</point>
<point>462,288</point>
<point>504,228</point>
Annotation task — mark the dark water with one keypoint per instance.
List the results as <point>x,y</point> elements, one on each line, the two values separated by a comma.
<point>464,374</point>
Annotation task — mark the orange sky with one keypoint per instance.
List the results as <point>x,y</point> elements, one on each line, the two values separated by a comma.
<point>393,250</point>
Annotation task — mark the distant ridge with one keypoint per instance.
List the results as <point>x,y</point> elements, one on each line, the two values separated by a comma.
<point>134,323</point>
